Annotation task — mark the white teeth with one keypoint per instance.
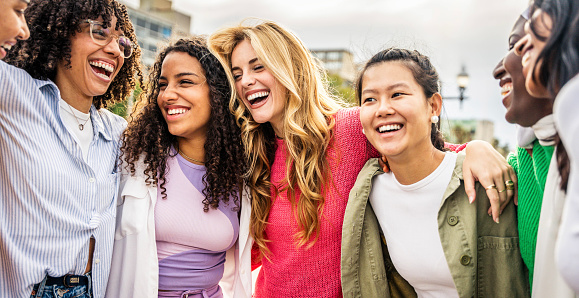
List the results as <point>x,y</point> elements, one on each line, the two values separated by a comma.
<point>389,127</point>
<point>102,75</point>
<point>506,89</point>
<point>176,111</point>
<point>7,47</point>
<point>256,95</point>
<point>106,66</point>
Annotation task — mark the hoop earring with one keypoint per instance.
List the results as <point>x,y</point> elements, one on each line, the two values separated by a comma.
<point>434,119</point>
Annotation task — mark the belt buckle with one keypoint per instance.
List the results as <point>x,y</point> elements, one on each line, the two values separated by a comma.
<point>71,279</point>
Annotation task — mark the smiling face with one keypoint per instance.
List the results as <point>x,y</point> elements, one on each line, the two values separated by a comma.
<point>184,96</point>
<point>395,113</point>
<point>92,67</point>
<point>522,108</point>
<point>530,47</point>
<point>257,87</point>
<point>12,24</point>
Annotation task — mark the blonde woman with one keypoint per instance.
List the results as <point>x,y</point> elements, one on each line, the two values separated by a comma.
<point>305,150</point>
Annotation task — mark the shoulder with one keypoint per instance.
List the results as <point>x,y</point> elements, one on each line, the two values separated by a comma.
<point>347,115</point>
<point>348,125</point>
<point>364,179</point>
<point>12,77</point>
<point>113,123</point>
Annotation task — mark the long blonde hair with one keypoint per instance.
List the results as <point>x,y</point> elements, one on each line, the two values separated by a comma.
<point>307,124</point>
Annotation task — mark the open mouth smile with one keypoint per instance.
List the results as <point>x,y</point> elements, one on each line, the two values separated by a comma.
<point>102,69</point>
<point>389,128</point>
<point>257,97</point>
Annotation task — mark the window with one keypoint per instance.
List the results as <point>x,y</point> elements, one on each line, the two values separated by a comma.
<point>141,22</point>
<point>155,27</point>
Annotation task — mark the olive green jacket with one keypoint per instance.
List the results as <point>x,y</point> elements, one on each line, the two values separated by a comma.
<point>483,256</point>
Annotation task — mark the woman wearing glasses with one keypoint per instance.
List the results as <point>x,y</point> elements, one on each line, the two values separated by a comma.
<point>59,147</point>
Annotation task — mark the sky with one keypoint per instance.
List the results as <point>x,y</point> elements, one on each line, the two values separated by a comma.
<point>450,32</point>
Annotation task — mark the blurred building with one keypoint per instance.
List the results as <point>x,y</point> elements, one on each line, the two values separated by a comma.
<point>462,131</point>
<point>339,62</point>
<point>155,22</point>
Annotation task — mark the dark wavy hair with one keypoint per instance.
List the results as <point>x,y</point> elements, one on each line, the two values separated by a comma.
<point>423,72</point>
<point>559,60</point>
<point>53,23</point>
<point>147,138</point>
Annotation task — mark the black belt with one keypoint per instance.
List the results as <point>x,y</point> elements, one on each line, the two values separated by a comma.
<point>68,280</point>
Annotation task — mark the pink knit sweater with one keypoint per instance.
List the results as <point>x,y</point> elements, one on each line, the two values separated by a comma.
<point>314,271</point>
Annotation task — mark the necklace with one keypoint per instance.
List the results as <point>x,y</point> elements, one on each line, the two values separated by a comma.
<point>189,158</point>
<point>80,126</point>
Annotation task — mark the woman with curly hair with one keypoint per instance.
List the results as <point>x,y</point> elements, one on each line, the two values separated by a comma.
<point>181,208</point>
<point>305,150</point>
<point>12,24</point>
<point>59,147</point>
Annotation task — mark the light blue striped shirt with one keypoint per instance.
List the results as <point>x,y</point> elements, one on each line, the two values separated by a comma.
<point>51,200</point>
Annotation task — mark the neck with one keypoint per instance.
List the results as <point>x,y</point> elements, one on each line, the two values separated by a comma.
<point>71,94</point>
<point>411,167</point>
<point>193,148</point>
<point>277,129</point>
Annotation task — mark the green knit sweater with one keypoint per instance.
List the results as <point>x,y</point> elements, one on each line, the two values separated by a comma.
<point>531,176</point>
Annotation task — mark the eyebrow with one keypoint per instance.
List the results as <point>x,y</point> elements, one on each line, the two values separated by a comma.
<point>182,74</point>
<point>393,86</point>
<point>250,62</point>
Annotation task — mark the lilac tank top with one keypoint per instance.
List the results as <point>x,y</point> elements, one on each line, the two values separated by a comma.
<point>191,243</point>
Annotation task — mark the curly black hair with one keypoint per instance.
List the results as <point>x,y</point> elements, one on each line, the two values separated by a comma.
<point>147,138</point>
<point>53,23</point>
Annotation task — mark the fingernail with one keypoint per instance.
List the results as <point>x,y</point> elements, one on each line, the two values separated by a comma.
<point>471,199</point>
<point>497,220</point>
<point>490,214</point>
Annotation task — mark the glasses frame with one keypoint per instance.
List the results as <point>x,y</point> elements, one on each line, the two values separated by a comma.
<point>92,23</point>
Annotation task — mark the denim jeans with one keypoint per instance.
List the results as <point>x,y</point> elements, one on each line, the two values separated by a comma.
<point>43,290</point>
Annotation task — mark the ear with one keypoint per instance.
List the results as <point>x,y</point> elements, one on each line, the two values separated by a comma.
<point>435,103</point>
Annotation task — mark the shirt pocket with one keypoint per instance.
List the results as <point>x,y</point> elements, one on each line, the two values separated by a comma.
<point>133,207</point>
<point>500,268</point>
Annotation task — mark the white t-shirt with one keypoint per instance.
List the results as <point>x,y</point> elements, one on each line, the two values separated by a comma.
<point>408,216</point>
<point>71,121</point>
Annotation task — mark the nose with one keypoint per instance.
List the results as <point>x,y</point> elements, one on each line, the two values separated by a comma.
<point>24,33</point>
<point>247,80</point>
<point>168,94</point>
<point>499,70</point>
<point>384,107</point>
<point>113,47</point>
<point>522,45</point>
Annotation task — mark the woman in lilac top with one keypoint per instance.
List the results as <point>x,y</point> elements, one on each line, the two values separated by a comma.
<point>181,202</point>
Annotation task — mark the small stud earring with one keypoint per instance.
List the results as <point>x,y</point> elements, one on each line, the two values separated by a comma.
<point>434,119</point>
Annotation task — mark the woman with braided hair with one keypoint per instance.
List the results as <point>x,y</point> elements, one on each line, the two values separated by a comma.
<point>182,221</point>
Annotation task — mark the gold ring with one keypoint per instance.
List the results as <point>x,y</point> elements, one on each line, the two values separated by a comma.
<point>491,187</point>
<point>502,190</point>
<point>510,185</point>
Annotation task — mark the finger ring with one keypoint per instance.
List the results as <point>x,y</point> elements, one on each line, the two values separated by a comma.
<point>510,184</point>
<point>491,187</point>
<point>502,190</point>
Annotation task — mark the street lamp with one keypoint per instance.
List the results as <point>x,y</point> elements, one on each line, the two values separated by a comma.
<point>462,82</point>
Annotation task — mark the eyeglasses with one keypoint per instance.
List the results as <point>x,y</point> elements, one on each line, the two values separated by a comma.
<point>102,36</point>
